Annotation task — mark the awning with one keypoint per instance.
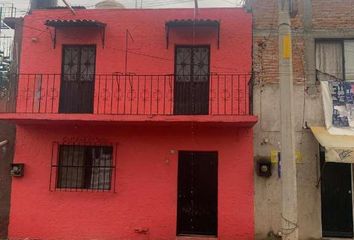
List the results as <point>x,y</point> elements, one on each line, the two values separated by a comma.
<point>74,23</point>
<point>176,23</point>
<point>339,148</point>
<point>193,22</point>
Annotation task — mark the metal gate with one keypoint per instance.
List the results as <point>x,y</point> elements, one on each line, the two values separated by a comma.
<point>197,193</point>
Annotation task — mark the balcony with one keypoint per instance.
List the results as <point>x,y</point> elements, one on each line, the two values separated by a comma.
<point>223,98</point>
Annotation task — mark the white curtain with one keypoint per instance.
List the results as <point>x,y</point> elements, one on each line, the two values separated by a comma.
<point>349,59</point>
<point>329,60</point>
<point>101,172</point>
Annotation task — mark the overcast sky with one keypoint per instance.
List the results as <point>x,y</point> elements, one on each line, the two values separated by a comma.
<point>23,4</point>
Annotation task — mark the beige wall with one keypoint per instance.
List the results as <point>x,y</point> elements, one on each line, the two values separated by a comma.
<point>267,138</point>
<point>315,19</point>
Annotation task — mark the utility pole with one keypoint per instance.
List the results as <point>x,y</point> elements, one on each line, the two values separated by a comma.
<point>288,162</point>
<point>196,4</point>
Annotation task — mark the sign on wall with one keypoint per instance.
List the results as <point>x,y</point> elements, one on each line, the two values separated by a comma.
<point>338,135</point>
<point>342,94</point>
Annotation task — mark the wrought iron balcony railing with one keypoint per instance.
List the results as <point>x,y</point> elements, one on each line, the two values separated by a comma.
<point>114,94</point>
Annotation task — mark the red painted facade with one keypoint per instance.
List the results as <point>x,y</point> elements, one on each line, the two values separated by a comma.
<point>146,143</point>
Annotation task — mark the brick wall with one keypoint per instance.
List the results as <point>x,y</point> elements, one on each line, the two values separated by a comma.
<point>265,63</point>
<point>327,15</point>
<point>265,41</point>
<point>333,14</point>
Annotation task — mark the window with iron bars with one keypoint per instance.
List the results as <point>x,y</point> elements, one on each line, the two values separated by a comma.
<point>83,168</point>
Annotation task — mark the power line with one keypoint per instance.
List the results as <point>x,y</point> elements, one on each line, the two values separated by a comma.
<point>145,3</point>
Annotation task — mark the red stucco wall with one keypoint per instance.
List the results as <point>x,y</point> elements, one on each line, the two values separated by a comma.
<point>146,183</point>
<point>147,27</point>
<point>147,55</point>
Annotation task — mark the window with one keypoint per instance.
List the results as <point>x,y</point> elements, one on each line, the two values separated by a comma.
<point>335,60</point>
<point>85,167</point>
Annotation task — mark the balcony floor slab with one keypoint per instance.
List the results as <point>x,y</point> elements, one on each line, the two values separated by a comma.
<point>25,118</point>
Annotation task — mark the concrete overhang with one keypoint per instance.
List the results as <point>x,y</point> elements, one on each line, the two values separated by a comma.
<point>211,120</point>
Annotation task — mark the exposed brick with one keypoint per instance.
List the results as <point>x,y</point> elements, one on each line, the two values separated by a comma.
<point>333,14</point>
<point>265,42</point>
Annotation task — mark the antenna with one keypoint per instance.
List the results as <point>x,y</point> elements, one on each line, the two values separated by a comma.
<point>195,18</point>
<point>196,8</point>
<point>127,36</point>
<point>69,6</point>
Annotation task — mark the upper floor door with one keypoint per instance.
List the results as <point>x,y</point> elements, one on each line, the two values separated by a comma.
<point>192,71</point>
<point>78,79</point>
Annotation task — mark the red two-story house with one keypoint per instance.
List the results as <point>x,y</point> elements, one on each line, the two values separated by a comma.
<point>133,124</point>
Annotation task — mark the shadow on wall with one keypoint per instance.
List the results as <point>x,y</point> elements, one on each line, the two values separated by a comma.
<point>7,132</point>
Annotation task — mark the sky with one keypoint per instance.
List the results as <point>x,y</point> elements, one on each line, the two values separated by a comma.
<point>22,5</point>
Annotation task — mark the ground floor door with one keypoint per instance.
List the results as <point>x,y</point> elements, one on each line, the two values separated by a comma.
<point>336,199</point>
<point>197,193</point>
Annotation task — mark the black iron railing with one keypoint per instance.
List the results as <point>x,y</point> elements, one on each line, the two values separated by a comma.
<point>114,94</point>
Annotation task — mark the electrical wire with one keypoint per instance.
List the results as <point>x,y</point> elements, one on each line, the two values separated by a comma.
<point>145,3</point>
<point>41,31</point>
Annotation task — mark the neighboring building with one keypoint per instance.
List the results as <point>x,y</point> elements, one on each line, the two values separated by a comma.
<point>322,50</point>
<point>7,133</point>
<point>7,130</point>
<point>134,124</point>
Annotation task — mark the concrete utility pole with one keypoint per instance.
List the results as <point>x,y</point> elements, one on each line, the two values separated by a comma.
<point>288,162</point>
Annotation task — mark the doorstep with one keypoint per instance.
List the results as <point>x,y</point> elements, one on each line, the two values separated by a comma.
<point>196,238</point>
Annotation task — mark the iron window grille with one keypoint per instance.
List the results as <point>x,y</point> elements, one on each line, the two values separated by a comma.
<point>83,168</point>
